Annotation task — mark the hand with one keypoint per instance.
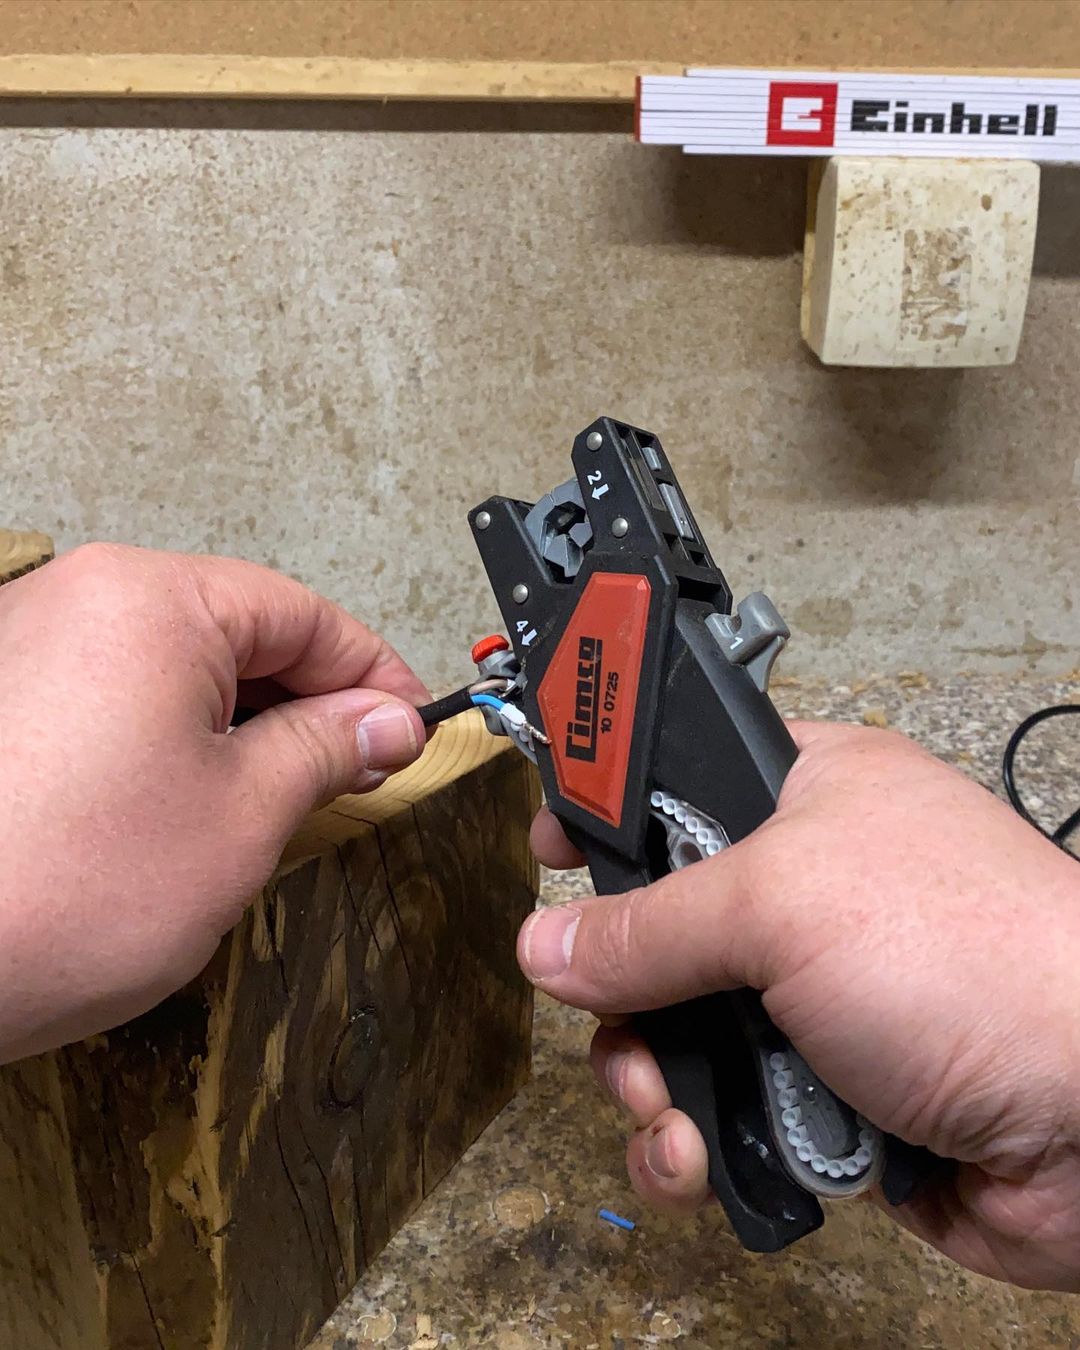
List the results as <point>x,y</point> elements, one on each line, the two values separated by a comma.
<point>919,945</point>
<point>133,829</point>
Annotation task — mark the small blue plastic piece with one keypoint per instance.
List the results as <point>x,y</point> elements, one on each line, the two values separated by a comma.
<point>628,1224</point>
<point>488,701</point>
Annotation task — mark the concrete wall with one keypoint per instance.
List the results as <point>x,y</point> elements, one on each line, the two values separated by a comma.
<point>315,337</point>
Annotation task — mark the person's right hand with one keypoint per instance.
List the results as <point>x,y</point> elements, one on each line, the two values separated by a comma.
<point>917,942</point>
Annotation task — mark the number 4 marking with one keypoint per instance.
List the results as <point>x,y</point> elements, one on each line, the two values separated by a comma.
<point>529,634</point>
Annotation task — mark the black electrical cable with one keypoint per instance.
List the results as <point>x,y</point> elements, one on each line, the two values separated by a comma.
<point>1070,823</point>
<point>431,714</point>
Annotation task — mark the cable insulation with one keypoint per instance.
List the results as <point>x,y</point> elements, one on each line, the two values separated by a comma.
<point>1008,761</point>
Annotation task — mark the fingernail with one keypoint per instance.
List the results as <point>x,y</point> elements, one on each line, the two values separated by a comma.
<point>615,1072</point>
<point>386,737</point>
<point>549,941</point>
<point>658,1155</point>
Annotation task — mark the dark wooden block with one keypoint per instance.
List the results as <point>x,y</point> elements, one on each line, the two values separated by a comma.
<point>218,1172</point>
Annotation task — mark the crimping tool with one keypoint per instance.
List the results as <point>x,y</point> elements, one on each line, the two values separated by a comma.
<point>643,700</point>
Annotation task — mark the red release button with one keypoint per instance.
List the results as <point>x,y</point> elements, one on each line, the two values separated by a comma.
<point>489,646</point>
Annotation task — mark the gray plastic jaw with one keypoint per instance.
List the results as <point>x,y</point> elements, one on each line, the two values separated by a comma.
<point>500,724</point>
<point>691,835</point>
<point>509,721</point>
<point>824,1146</point>
<point>559,543</point>
<point>499,665</point>
<point>754,636</point>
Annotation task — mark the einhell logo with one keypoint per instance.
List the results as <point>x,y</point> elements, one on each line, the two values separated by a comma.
<point>581,732</point>
<point>801,114</point>
<point>736,111</point>
<point>804,113</point>
<point>897,115</point>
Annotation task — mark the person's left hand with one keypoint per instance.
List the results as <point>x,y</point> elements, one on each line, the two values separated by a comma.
<point>133,829</point>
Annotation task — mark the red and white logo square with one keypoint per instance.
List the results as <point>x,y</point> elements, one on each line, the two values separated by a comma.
<point>801,113</point>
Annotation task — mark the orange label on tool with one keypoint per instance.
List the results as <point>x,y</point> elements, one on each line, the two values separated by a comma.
<point>588,696</point>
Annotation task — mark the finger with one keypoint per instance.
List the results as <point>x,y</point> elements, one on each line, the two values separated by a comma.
<point>299,755</point>
<point>698,930</point>
<point>551,845</point>
<point>668,1164</point>
<point>624,1066</point>
<point>277,627</point>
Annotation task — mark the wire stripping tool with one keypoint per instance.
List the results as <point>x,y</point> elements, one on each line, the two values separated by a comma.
<point>642,697</point>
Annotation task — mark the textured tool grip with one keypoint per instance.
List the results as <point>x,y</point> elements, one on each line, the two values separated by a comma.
<point>710,1073</point>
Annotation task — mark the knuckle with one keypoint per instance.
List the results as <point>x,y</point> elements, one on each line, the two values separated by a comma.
<point>885,744</point>
<point>882,744</point>
<point>612,955</point>
<point>306,751</point>
<point>101,576</point>
<point>96,559</point>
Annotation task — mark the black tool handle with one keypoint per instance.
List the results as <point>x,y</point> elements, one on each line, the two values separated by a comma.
<point>707,1048</point>
<point>710,1066</point>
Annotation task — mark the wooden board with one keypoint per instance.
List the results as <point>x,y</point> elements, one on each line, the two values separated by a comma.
<point>166,76</point>
<point>21,551</point>
<point>734,32</point>
<point>216,1174</point>
<point>507,49</point>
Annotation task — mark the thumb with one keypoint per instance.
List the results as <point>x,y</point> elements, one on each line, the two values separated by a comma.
<point>693,932</point>
<point>304,753</point>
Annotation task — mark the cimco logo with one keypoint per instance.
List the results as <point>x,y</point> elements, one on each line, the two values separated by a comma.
<point>801,113</point>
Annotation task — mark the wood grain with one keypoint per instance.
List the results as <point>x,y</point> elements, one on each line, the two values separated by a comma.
<point>587,50</point>
<point>238,77</point>
<point>21,551</point>
<point>216,1174</point>
<point>187,76</point>
<point>808,33</point>
<point>460,747</point>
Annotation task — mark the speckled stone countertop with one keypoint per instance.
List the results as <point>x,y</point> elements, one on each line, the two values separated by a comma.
<point>509,1253</point>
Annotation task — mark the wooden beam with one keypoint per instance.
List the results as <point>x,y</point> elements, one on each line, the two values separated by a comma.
<point>21,551</point>
<point>168,76</point>
<point>216,1174</point>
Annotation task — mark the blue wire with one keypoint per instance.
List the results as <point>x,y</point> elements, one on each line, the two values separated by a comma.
<point>488,701</point>
<point>616,1219</point>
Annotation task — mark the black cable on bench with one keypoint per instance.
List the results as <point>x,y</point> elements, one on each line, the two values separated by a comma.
<point>1070,823</point>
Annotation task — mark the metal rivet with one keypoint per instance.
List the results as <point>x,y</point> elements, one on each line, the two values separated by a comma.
<point>620,526</point>
<point>520,593</point>
<point>483,520</point>
<point>594,440</point>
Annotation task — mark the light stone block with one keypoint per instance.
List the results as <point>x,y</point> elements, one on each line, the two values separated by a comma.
<point>916,262</point>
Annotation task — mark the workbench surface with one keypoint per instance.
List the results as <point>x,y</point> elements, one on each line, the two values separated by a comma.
<point>509,1251</point>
